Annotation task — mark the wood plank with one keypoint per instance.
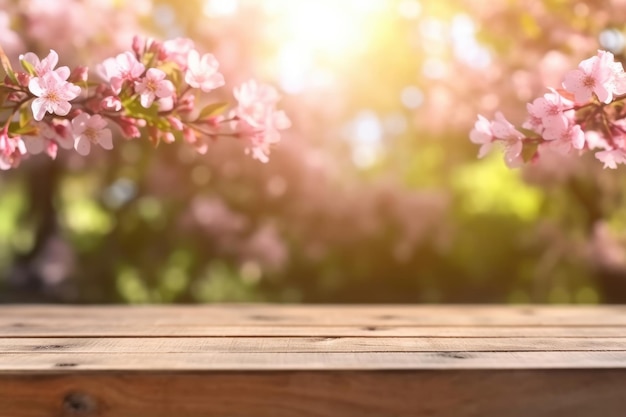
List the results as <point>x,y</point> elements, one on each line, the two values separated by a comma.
<point>166,346</point>
<point>295,361</point>
<point>43,328</point>
<point>572,393</point>
<point>271,315</point>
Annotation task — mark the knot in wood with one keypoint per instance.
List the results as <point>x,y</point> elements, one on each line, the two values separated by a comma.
<point>79,404</point>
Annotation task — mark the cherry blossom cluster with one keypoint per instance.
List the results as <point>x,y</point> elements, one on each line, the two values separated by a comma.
<point>587,114</point>
<point>148,92</point>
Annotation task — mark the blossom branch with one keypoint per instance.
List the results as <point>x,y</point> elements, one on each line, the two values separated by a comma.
<point>149,92</point>
<point>585,115</point>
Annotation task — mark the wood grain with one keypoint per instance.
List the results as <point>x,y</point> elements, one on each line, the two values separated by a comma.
<point>523,393</point>
<point>312,361</point>
<point>43,328</point>
<point>322,315</point>
<point>167,345</point>
<point>255,361</point>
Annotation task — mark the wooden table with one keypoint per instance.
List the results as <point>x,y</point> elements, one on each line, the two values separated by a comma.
<point>305,361</point>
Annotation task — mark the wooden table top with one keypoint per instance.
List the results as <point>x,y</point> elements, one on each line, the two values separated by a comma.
<point>287,337</point>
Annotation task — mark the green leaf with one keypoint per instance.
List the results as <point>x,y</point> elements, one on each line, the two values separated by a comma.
<point>28,67</point>
<point>212,110</point>
<point>24,118</point>
<point>27,130</point>
<point>134,109</point>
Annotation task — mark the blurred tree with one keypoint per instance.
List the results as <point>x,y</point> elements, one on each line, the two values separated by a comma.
<point>374,196</point>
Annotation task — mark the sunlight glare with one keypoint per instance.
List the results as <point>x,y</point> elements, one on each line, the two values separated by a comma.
<point>220,7</point>
<point>318,35</point>
<point>326,26</point>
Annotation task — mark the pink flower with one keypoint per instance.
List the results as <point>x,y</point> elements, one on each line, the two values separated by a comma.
<point>485,133</point>
<point>177,50</point>
<point>53,95</point>
<point>482,135</point>
<point>202,72</point>
<point>256,118</point>
<point>124,67</point>
<point>550,115</point>
<point>47,140</point>
<point>251,94</point>
<point>513,152</point>
<point>90,129</point>
<point>503,129</point>
<point>571,138</point>
<point>11,150</point>
<point>575,135</point>
<point>262,133</point>
<point>153,85</point>
<point>599,75</point>
<point>611,158</point>
<point>596,140</point>
<point>111,103</point>
<point>130,127</point>
<point>46,65</point>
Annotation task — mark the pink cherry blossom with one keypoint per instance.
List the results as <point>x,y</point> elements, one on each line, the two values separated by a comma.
<point>202,72</point>
<point>47,139</point>
<point>596,140</point>
<point>53,95</point>
<point>177,50</point>
<point>11,150</point>
<point>251,94</point>
<point>46,65</point>
<point>482,135</point>
<point>503,129</point>
<point>513,152</point>
<point>256,118</point>
<point>598,75</point>
<point>572,138</point>
<point>124,67</point>
<point>262,133</point>
<point>153,85</point>
<point>129,126</point>
<point>111,103</point>
<point>575,135</point>
<point>256,103</point>
<point>550,115</point>
<point>500,130</point>
<point>533,122</point>
<point>90,129</point>
<point>611,158</point>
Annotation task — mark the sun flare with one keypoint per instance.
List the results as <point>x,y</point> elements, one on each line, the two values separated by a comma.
<point>327,27</point>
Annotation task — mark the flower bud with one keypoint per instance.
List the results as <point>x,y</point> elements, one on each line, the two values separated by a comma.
<point>139,44</point>
<point>189,135</point>
<point>22,78</point>
<point>79,74</point>
<point>129,127</point>
<point>167,137</point>
<point>111,103</point>
<point>8,81</point>
<point>15,96</point>
<point>186,104</point>
<point>175,123</point>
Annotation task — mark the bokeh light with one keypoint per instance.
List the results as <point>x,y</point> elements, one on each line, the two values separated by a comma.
<point>374,195</point>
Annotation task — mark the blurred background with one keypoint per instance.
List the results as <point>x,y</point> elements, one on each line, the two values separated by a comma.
<point>374,195</point>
